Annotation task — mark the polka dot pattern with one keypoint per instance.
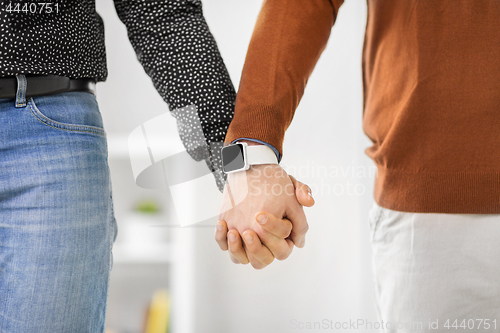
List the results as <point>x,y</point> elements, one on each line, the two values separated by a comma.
<point>68,43</point>
<point>172,42</point>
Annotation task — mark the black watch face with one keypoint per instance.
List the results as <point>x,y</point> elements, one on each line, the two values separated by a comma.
<point>232,158</point>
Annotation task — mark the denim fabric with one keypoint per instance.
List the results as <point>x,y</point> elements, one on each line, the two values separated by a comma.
<point>56,215</point>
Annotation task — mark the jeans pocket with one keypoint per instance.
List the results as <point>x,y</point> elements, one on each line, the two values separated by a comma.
<point>374,218</point>
<point>74,112</point>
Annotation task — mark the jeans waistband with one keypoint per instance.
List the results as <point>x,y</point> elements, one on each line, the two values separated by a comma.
<point>22,86</point>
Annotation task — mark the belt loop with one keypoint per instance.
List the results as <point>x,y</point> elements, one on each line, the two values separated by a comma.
<point>21,91</point>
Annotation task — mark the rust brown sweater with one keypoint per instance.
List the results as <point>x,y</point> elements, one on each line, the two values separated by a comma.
<point>431,76</point>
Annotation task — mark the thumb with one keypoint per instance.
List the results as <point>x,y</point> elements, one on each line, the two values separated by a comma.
<point>302,192</point>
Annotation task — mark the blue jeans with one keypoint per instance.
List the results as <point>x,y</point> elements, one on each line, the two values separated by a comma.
<point>56,216</point>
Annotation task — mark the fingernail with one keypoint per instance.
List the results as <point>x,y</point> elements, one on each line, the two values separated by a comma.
<point>232,237</point>
<point>309,192</point>
<point>219,226</point>
<point>248,238</point>
<point>262,218</point>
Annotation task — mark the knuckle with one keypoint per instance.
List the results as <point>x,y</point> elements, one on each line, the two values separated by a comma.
<point>251,248</point>
<point>234,260</point>
<point>240,259</point>
<point>282,255</point>
<point>269,261</point>
<point>222,243</point>
<point>240,256</point>
<point>257,265</point>
<point>218,237</point>
<point>305,228</point>
<point>233,252</point>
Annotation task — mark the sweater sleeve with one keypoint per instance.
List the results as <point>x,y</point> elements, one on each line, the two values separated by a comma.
<point>287,41</point>
<point>176,49</point>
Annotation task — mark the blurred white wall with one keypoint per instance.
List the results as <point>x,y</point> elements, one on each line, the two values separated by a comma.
<point>331,277</point>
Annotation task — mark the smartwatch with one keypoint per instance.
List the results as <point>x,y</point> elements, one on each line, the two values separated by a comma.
<point>240,156</point>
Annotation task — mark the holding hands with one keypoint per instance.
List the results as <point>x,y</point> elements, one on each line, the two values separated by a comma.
<point>269,221</point>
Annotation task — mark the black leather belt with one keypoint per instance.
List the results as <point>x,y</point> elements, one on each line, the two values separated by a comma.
<point>39,85</point>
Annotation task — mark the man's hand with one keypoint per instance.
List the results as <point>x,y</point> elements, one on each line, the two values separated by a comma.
<point>270,219</point>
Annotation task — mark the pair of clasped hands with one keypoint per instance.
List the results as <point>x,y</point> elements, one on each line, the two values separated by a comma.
<point>269,221</point>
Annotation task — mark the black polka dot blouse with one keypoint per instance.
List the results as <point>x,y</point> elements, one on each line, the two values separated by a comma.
<point>172,42</point>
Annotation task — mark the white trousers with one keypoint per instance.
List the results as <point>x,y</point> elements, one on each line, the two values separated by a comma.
<point>436,272</point>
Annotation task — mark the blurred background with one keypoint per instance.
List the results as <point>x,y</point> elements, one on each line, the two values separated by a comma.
<point>160,268</point>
